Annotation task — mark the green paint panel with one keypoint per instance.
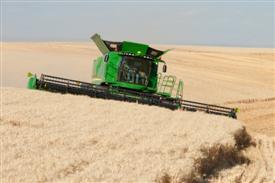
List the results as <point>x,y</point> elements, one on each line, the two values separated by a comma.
<point>136,48</point>
<point>113,64</point>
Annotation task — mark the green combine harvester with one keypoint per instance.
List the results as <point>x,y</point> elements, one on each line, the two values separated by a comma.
<point>129,71</point>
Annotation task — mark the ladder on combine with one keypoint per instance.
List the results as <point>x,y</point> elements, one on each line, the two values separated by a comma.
<point>166,85</point>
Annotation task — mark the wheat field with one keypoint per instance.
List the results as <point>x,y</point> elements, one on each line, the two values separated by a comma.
<point>48,137</point>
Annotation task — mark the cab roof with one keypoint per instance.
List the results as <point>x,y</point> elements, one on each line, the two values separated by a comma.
<point>126,46</point>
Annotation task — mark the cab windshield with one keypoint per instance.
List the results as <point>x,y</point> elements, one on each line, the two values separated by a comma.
<point>135,70</point>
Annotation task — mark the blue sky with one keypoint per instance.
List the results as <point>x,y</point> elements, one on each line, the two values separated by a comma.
<point>223,23</point>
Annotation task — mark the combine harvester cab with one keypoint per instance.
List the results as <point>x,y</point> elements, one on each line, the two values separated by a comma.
<point>129,71</point>
<point>127,65</point>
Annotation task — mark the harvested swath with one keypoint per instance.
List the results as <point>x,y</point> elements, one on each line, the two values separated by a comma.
<point>54,137</point>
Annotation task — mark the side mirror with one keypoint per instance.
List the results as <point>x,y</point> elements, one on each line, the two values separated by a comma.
<point>106,58</point>
<point>164,69</point>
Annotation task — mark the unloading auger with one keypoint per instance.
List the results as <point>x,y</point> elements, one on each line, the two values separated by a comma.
<point>129,71</point>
